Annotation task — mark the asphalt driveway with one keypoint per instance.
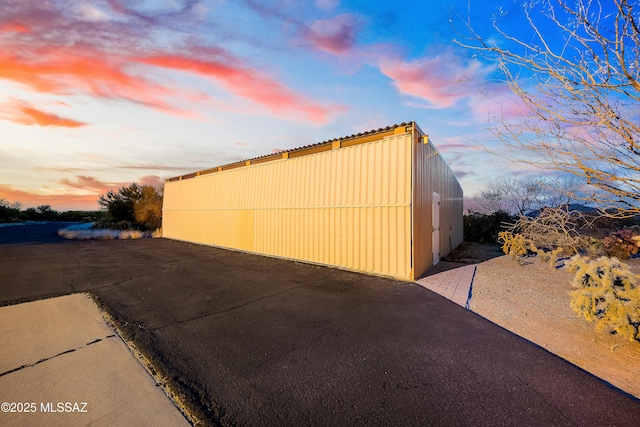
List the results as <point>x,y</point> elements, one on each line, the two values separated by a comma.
<point>251,340</point>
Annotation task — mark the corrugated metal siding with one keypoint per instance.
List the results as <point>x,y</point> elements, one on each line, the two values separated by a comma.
<point>348,207</point>
<point>431,173</point>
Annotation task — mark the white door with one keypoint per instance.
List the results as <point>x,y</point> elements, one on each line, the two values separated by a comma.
<point>435,240</point>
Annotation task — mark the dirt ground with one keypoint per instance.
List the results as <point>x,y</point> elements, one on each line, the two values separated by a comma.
<point>532,301</point>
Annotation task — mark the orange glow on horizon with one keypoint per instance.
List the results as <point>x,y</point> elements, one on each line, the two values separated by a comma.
<point>58,202</point>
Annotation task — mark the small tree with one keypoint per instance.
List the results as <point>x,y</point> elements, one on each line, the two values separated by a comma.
<point>46,213</point>
<point>121,204</point>
<point>134,206</point>
<point>9,211</point>
<point>148,209</point>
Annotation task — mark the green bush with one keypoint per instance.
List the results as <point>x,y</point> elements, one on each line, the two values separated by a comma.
<point>81,216</point>
<point>483,228</point>
<point>607,293</point>
<point>132,208</point>
<point>41,213</point>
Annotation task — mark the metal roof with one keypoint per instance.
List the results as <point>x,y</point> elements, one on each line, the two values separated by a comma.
<point>355,139</point>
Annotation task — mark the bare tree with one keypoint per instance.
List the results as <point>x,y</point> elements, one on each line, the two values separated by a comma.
<point>522,196</point>
<point>488,201</point>
<point>510,195</point>
<point>581,114</point>
<point>562,191</point>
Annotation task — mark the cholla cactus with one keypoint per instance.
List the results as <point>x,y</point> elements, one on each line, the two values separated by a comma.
<point>607,293</point>
<point>550,257</point>
<point>514,244</point>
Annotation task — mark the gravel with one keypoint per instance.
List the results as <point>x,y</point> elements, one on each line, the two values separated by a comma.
<point>532,300</point>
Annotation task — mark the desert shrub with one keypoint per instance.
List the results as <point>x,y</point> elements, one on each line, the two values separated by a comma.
<point>79,233</point>
<point>131,234</point>
<point>107,224</point>
<point>622,243</point>
<point>607,293</point>
<point>483,228</point>
<point>553,228</point>
<point>513,245</point>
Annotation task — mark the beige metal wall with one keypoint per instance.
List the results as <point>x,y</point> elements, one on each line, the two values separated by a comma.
<point>348,207</point>
<point>432,174</point>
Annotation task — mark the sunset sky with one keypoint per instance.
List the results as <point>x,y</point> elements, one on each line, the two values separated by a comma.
<point>95,95</point>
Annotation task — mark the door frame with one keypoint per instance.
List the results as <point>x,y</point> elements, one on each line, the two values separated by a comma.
<point>435,222</point>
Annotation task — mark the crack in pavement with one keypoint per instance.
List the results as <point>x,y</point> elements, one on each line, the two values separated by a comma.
<point>29,365</point>
<point>118,283</point>
<point>229,309</point>
<point>544,398</point>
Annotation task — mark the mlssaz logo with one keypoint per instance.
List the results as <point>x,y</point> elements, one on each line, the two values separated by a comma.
<point>63,407</point>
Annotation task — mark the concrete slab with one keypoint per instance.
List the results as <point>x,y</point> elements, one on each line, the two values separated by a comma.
<point>61,362</point>
<point>453,284</point>
<point>41,329</point>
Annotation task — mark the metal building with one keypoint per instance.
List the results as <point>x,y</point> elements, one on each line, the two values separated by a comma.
<point>382,202</point>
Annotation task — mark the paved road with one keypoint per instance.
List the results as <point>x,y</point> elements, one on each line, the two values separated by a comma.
<point>30,234</point>
<point>251,340</point>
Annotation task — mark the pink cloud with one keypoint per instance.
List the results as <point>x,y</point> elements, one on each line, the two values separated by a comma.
<point>89,183</point>
<point>443,80</point>
<point>60,103</point>
<point>153,180</point>
<point>453,146</point>
<point>336,35</point>
<point>105,49</point>
<point>498,105</point>
<point>14,27</point>
<point>327,5</point>
<point>157,167</point>
<point>247,83</point>
<point>65,71</point>
<point>24,113</point>
<point>33,116</point>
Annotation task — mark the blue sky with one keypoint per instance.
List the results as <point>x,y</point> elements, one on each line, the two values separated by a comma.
<point>95,95</point>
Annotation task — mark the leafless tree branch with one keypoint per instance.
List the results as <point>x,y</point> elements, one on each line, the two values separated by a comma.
<point>579,85</point>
